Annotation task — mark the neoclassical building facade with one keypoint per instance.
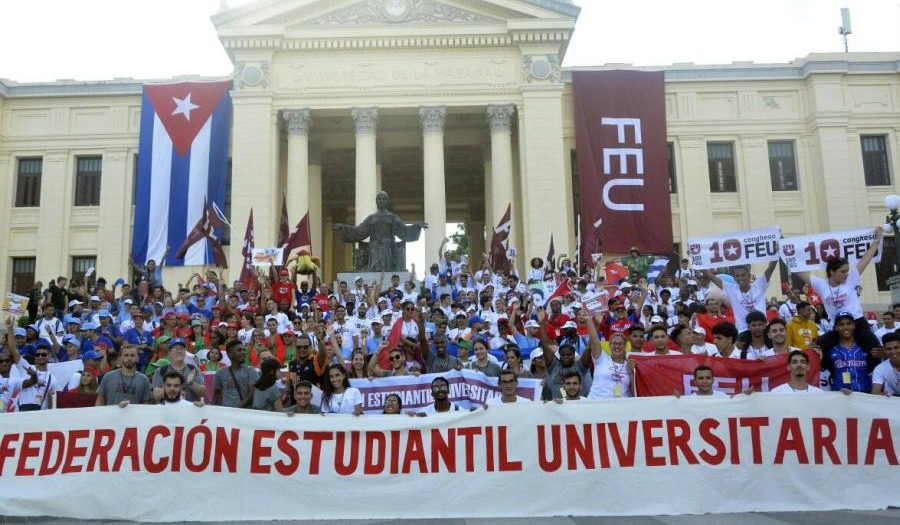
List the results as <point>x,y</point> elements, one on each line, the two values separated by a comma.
<point>456,108</point>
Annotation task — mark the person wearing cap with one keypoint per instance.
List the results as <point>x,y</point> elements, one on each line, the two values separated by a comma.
<point>140,338</point>
<point>19,339</point>
<point>528,337</point>
<point>636,264</point>
<point>105,327</point>
<point>802,330</point>
<point>699,346</point>
<point>35,396</point>
<point>10,386</point>
<point>303,295</point>
<point>617,319</point>
<point>70,351</point>
<point>376,336</point>
<point>90,361</point>
<point>556,318</point>
<point>283,289</point>
<point>199,306</point>
<point>435,355</point>
<point>848,361</point>
<point>272,312</point>
<point>345,329</point>
<point>194,387</point>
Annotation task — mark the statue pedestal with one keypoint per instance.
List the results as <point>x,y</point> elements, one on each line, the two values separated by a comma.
<point>370,278</point>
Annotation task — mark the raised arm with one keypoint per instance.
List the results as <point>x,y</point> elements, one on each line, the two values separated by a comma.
<point>713,278</point>
<point>593,341</point>
<point>867,257</point>
<point>771,269</point>
<point>424,347</point>
<point>374,368</point>
<point>546,346</point>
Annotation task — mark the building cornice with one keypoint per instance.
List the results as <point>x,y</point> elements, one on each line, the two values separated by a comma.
<point>800,69</point>
<point>70,88</point>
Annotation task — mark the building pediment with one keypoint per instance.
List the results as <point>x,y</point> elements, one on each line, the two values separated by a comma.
<point>288,18</point>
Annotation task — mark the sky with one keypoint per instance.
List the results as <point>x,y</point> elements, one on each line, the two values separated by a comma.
<point>45,40</point>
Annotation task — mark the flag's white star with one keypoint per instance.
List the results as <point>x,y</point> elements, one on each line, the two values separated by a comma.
<point>829,252</point>
<point>184,106</point>
<point>732,250</point>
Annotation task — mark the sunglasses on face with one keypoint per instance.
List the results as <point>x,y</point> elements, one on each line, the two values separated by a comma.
<point>395,357</point>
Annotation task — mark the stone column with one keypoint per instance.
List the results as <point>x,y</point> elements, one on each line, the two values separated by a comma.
<point>315,198</point>
<point>499,118</point>
<point>488,202</point>
<point>476,243</point>
<point>366,120</point>
<point>435,189</point>
<point>297,123</point>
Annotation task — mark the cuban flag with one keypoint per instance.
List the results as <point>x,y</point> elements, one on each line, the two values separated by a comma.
<point>182,163</point>
<point>656,267</point>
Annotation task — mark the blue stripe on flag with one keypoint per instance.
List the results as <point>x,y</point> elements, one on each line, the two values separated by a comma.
<point>178,198</point>
<point>218,160</point>
<point>140,234</point>
<point>656,267</point>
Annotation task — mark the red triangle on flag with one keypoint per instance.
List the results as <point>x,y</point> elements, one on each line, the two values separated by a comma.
<point>184,108</point>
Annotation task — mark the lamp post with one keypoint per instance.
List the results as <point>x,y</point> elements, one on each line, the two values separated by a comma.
<point>892,203</point>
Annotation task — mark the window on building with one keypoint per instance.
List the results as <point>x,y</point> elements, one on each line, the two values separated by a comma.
<point>782,165</point>
<point>885,269</point>
<point>226,206</point>
<point>670,157</point>
<point>22,274</point>
<point>80,266</point>
<point>87,180</point>
<point>28,182</point>
<point>720,156</point>
<point>875,160</point>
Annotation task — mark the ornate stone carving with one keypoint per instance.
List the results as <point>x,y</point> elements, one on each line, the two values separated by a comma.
<point>541,68</point>
<point>365,119</point>
<point>252,75</point>
<point>373,12</point>
<point>297,121</point>
<point>433,118</point>
<point>499,117</point>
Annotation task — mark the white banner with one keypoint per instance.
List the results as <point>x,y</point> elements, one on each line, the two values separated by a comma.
<point>765,452</point>
<point>265,257</point>
<point>811,252</point>
<point>733,249</point>
<point>468,389</point>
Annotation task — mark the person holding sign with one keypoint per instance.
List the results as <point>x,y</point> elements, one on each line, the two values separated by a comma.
<point>743,296</point>
<point>838,293</point>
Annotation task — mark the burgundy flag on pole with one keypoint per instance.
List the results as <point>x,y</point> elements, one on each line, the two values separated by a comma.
<point>550,265</point>
<point>299,239</point>
<point>620,133</point>
<point>211,218</point>
<point>247,251</point>
<point>284,227</point>
<point>500,241</point>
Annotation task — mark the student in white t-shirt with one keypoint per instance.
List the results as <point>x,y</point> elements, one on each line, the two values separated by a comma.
<point>743,296</point>
<point>886,376</point>
<point>440,391</point>
<point>838,292</point>
<point>172,394</point>
<point>798,366</point>
<point>571,387</point>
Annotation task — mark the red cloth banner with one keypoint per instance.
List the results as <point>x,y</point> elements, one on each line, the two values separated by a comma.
<point>664,375</point>
<point>620,119</point>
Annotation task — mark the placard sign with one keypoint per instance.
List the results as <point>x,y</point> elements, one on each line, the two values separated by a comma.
<point>811,252</point>
<point>732,249</point>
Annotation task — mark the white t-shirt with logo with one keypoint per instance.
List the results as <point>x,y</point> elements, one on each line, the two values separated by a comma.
<point>840,298</point>
<point>40,392</point>
<point>744,303</point>
<point>9,388</point>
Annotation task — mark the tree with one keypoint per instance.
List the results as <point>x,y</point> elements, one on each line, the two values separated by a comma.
<point>459,240</point>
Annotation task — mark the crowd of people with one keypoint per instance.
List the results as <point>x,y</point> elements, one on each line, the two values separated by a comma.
<point>273,343</point>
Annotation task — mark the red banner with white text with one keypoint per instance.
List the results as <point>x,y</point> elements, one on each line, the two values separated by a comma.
<point>665,375</point>
<point>620,119</point>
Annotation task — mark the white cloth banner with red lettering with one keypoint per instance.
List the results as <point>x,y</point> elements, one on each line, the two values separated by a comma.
<point>758,453</point>
<point>468,389</point>
<point>811,252</point>
<point>664,375</point>
<point>736,248</point>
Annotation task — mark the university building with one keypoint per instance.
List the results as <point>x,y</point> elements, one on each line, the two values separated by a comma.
<point>456,108</point>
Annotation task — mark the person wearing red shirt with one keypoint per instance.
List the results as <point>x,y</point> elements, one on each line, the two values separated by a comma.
<point>283,290</point>
<point>714,315</point>
<point>556,318</point>
<point>321,298</point>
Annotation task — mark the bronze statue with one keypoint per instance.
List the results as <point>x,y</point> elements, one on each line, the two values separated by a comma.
<point>381,253</point>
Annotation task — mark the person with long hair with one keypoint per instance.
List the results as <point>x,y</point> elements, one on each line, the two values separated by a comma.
<point>358,368</point>
<point>266,395</point>
<point>88,383</point>
<point>839,294</point>
<point>514,362</point>
<point>392,404</point>
<point>482,363</point>
<point>610,378</point>
<point>338,397</point>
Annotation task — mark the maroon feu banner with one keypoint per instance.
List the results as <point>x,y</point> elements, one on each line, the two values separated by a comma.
<point>620,119</point>
<point>664,375</point>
